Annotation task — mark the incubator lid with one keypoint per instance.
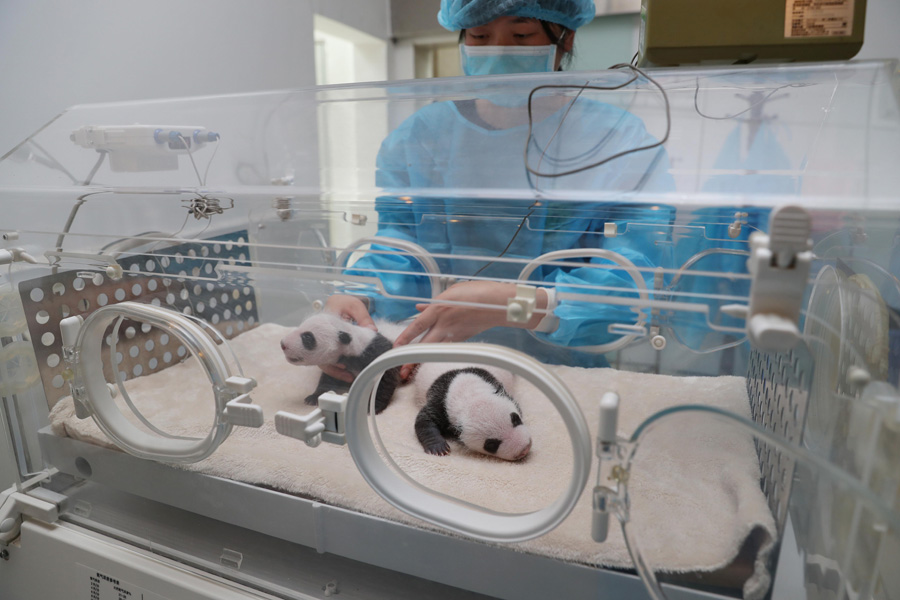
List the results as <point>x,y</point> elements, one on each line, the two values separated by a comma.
<point>825,135</point>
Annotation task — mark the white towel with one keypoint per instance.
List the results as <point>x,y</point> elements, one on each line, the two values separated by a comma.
<point>694,515</point>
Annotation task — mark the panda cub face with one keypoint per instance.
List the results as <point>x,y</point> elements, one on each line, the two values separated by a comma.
<point>489,421</point>
<point>323,339</point>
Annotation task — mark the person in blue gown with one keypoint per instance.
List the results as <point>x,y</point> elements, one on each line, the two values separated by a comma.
<point>450,149</point>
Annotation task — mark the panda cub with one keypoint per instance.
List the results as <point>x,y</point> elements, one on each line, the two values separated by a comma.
<point>466,402</point>
<point>469,403</point>
<point>325,339</point>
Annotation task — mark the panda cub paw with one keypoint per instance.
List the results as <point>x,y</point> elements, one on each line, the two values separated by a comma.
<point>437,447</point>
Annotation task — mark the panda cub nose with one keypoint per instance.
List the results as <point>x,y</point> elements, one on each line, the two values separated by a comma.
<point>283,345</point>
<point>524,452</point>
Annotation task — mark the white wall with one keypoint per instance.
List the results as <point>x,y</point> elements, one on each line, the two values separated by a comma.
<point>882,39</point>
<point>369,16</point>
<point>56,53</point>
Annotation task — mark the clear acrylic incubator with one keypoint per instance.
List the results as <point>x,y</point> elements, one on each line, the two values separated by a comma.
<point>683,282</point>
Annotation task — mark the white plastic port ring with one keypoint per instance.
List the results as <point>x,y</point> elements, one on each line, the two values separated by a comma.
<point>232,401</point>
<point>613,257</point>
<point>451,513</point>
<point>438,283</point>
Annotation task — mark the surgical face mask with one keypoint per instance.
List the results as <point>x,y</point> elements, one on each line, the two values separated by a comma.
<point>501,60</point>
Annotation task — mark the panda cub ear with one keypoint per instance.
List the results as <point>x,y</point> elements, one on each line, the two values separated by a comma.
<point>344,337</point>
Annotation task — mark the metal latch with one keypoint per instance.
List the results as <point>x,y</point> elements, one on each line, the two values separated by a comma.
<point>604,497</point>
<point>27,498</point>
<point>325,423</point>
<point>779,263</point>
<point>241,411</point>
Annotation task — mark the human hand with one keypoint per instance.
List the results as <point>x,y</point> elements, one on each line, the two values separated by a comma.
<point>349,308</point>
<point>338,371</point>
<point>446,320</point>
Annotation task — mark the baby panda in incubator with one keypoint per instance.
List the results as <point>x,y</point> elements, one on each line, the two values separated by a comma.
<point>464,402</point>
<point>471,404</point>
<point>326,339</point>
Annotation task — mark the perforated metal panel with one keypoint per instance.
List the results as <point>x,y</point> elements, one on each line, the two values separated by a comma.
<point>182,278</point>
<point>778,387</point>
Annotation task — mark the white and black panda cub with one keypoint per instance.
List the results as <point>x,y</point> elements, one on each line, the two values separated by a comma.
<point>469,403</point>
<point>465,402</point>
<point>326,339</point>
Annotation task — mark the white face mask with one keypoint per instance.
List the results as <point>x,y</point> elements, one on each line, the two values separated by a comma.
<point>502,60</point>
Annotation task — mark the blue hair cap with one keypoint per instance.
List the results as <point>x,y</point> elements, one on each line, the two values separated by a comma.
<point>463,14</point>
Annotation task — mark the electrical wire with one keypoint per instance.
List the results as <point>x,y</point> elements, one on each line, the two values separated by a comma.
<point>190,153</point>
<point>187,146</point>
<point>748,109</point>
<point>636,73</point>
<point>509,244</point>
<point>537,202</point>
<point>96,168</point>
<point>209,164</point>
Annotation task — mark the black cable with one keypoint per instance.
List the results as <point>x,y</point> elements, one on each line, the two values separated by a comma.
<point>581,88</point>
<point>96,168</point>
<point>530,139</point>
<point>531,208</point>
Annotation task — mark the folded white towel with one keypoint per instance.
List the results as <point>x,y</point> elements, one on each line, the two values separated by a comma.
<point>695,514</point>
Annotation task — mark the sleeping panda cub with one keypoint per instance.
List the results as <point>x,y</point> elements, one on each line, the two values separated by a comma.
<point>465,402</point>
<point>469,403</point>
<point>326,339</point>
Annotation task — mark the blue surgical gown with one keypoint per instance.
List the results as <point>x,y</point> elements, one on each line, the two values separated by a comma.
<point>464,166</point>
<point>751,162</point>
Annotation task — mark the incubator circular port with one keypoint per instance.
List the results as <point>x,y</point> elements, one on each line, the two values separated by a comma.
<point>128,418</point>
<point>490,396</point>
<point>18,368</point>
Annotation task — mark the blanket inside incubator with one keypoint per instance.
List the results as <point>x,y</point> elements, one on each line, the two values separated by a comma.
<point>735,512</point>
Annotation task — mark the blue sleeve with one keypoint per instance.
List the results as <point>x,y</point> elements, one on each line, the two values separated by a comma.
<point>644,238</point>
<point>586,322</point>
<point>396,219</point>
